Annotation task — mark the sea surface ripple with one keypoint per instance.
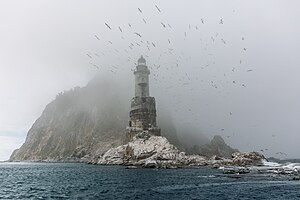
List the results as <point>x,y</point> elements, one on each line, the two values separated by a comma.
<point>82,181</point>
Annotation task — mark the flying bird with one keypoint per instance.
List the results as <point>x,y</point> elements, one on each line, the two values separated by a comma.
<point>249,70</point>
<point>223,41</point>
<point>144,21</point>
<point>108,26</point>
<point>157,8</point>
<point>89,55</point>
<point>153,44</point>
<point>140,10</point>
<point>221,21</point>
<point>120,29</point>
<point>163,24</point>
<point>129,25</point>
<point>137,34</point>
<point>96,37</point>
<point>202,21</point>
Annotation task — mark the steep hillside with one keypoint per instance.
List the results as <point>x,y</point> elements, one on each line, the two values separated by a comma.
<point>80,123</point>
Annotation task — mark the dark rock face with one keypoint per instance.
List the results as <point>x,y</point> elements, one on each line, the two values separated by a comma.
<point>217,146</point>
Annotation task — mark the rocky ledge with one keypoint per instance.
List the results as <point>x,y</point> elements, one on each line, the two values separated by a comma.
<point>150,151</point>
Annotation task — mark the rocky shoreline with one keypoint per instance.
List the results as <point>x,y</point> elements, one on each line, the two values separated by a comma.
<point>151,151</point>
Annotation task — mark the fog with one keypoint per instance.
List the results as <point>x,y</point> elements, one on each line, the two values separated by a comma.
<point>222,67</point>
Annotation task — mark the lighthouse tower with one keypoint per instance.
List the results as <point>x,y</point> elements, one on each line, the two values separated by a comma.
<point>143,111</point>
<point>141,78</point>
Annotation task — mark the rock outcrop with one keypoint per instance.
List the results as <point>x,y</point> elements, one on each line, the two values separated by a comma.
<point>151,151</point>
<point>148,151</point>
<point>249,158</point>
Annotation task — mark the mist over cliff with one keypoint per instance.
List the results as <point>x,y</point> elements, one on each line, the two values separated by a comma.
<point>90,120</point>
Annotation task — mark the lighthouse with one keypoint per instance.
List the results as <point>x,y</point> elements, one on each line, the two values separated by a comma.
<point>143,109</point>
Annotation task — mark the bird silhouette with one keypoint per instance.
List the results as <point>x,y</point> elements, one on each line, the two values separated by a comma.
<point>96,37</point>
<point>137,34</point>
<point>157,8</point>
<point>108,26</point>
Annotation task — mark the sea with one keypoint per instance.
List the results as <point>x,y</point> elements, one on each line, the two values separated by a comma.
<point>84,181</point>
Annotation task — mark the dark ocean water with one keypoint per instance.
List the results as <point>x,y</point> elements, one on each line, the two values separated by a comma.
<point>82,181</point>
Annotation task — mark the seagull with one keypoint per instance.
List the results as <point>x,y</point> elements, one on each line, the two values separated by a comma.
<point>157,8</point>
<point>96,66</point>
<point>96,37</point>
<point>223,41</point>
<point>137,34</point>
<point>140,10</point>
<point>89,55</point>
<point>108,26</point>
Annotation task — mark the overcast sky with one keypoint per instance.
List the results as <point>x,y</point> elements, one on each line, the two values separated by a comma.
<point>226,67</point>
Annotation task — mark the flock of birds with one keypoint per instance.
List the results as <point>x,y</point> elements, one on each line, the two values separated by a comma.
<point>169,70</point>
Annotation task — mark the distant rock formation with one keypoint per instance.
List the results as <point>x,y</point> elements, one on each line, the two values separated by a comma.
<point>217,146</point>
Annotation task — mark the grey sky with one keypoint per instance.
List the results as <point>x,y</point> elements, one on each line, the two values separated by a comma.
<point>43,47</point>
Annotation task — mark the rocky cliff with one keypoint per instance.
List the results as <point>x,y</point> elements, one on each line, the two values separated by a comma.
<point>81,123</point>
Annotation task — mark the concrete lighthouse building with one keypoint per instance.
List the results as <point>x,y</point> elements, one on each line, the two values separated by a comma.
<point>143,111</point>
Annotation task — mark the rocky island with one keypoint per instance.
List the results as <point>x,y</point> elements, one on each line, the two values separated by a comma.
<point>87,126</point>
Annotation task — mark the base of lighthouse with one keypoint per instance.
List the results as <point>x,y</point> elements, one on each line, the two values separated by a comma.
<point>142,117</point>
